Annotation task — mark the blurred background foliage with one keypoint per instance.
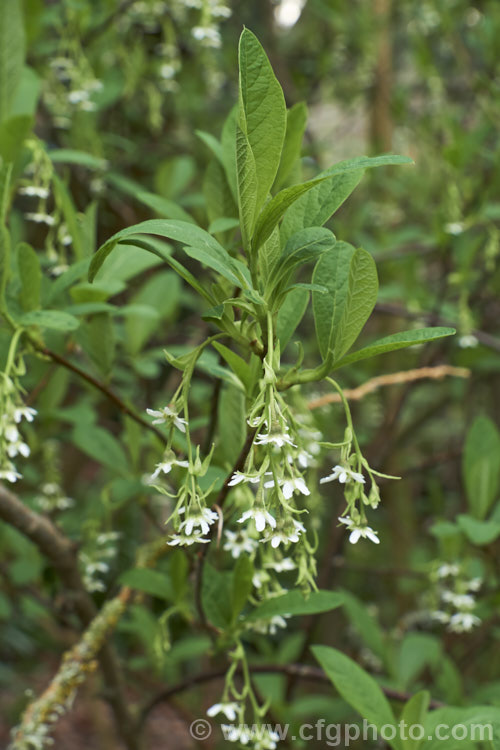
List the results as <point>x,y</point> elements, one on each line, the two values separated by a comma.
<point>104,121</point>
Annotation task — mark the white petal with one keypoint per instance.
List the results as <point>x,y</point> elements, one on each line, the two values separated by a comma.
<point>372,536</point>
<point>260,520</point>
<point>355,535</point>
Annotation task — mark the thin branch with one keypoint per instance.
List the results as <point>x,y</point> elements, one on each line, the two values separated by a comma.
<point>406,376</point>
<point>107,392</point>
<point>301,671</point>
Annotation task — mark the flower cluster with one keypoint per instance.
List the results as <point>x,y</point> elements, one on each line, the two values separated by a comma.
<point>96,557</point>
<point>13,412</point>
<point>457,603</point>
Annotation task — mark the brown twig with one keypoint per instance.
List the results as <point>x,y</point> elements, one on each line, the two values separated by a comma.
<point>395,378</point>
<point>301,671</point>
<point>107,392</point>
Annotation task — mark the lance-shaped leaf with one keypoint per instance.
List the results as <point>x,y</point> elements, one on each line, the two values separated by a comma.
<point>324,199</point>
<point>351,279</point>
<point>262,120</point>
<point>481,465</point>
<point>296,120</point>
<point>201,246</point>
<point>303,247</point>
<point>12,47</point>
<point>356,687</point>
<point>395,341</point>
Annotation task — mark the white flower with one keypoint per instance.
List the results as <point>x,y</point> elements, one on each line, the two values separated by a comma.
<point>13,449</point>
<point>454,227</point>
<point>468,341</point>
<point>275,438</point>
<point>266,740</point>
<point>40,218</point>
<point>11,433</point>
<point>165,467</point>
<point>185,540</point>
<point>8,472</point>
<point>463,622</point>
<point>166,414</point>
<point>343,474</point>
<point>284,535</point>
<point>238,542</point>
<point>289,486</point>
<point>475,584</point>
<point>77,96</point>
<point>234,733</point>
<point>446,570</point>
<point>359,530</point>
<point>260,516</point>
<point>228,709</point>
<point>204,519</point>
<point>280,566</point>
<point>34,190</point>
<point>209,36</point>
<point>240,476</point>
<point>24,412</point>
<point>270,626</point>
<point>460,601</point>
<point>260,577</point>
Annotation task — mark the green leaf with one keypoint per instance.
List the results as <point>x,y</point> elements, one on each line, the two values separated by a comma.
<point>12,50</point>
<point>351,279</point>
<point>414,712</point>
<point>56,319</point>
<point>216,596</point>
<point>395,341</point>
<point>237,364</point>
<point>201,246</point>
<point>332,271</point>
<point>65,202</point>
<point>464,716</point>
<point>262,114</point>
<point>158,297</point>
<point>163,206</point>
<point>481,465</point>
<point>296,120</point>
<point>219,200</point>
<point>13,133</point>
<point>418,651</point>
<point>324,199</point>
<point>97,338</point>
<point>479,532</point>
<point>231,424</point>
<point>102,447</point>
<point>290,314</point>
<point>80,158</point>
<point>303,247</point>
<point>213,144</point>
<point>242,584</point>
<point>365,624</point>
<point>275,209</point>
<point>361,298</point>
<point>356,687</point>
<point>30,275</point>
<point>152,582</point>
<point>247,184</point>
<point>293,603</point>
